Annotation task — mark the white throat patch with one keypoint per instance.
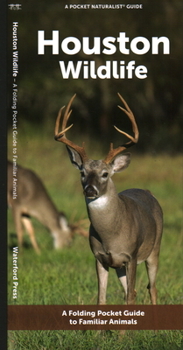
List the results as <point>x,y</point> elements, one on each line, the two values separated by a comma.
<point>98,203</point>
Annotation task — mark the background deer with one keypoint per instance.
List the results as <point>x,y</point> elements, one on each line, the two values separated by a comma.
<point>33,200</point>
<point>126,228</point>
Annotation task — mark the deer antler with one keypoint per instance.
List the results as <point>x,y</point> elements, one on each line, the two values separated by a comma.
<point>60,136</point>
<point>113,152</point>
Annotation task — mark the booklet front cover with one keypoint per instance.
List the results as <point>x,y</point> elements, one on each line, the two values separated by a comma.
<point>88,268</point>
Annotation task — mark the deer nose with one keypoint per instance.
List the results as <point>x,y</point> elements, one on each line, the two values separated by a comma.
<point>90,191</point>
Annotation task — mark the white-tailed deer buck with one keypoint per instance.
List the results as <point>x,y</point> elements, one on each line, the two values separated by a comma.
<point>33,200</point>
<point>126,228</point>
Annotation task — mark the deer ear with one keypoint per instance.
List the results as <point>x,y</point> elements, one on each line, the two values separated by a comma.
<point>121,162</point>
<point>75,157</point>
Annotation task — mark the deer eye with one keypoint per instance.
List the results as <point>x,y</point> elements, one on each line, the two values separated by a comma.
<point>105,175</point>
<point>82,174</point>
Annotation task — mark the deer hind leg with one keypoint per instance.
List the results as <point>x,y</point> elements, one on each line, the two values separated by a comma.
<point>29,228</point>
<point>152,267</point>
<point>102,274</point>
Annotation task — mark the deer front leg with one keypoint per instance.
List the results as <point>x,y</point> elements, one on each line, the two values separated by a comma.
<point>131,267</point>
<point>121,273</point>
<point>29,228</point>
<point>102,275</point>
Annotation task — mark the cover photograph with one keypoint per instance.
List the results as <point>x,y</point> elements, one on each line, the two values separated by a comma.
<point>94,175</point>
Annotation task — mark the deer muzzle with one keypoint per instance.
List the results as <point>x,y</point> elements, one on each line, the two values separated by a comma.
<point>91,192</point>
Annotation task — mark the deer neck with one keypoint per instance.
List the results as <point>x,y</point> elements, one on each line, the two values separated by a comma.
<point>104,210</point>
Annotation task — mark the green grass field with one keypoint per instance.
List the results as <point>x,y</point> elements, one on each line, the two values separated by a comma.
<point>68,276</point>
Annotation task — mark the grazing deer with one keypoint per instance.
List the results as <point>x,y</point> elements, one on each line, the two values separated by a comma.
<point>33,200</point>
<point>126,228</point>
